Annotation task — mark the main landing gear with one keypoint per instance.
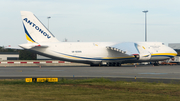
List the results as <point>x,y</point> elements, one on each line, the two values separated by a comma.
<point>108,64</point>
<point>113,64</point>
<point>156,63</point>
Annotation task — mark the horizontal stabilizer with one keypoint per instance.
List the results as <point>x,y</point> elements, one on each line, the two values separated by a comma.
<point>44,46</point>
<point>17,48</point>
<point>32,45</point>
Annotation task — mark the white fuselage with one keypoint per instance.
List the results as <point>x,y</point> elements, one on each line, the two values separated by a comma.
<point>96,52</point>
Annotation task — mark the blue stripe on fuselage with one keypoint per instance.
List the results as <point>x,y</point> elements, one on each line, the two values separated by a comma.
<point>95,58</point>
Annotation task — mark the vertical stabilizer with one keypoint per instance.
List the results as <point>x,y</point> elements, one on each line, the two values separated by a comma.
<point>35,31</point>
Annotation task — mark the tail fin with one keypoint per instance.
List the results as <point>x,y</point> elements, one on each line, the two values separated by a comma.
<point>35,31</point>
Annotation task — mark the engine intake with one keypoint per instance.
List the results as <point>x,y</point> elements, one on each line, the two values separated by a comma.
<point>143,57</point>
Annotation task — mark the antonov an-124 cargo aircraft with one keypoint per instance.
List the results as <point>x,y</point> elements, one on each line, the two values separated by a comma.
<point>43,42</point>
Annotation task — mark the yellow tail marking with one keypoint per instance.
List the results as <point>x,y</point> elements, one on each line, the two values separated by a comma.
<point>29,39</point>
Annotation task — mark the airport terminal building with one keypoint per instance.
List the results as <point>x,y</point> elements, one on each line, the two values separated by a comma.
<point>9,55</point>
<point>15,56</point>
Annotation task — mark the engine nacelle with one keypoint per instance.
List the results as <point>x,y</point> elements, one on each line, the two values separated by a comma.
<point>143,56</point>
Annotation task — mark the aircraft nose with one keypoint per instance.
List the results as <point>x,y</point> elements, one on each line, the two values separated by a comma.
<point>174,52</point>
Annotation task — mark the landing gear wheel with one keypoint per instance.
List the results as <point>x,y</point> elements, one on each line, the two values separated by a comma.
<point>93,65</point>
<point>119,64</point>
<point>156,64</point>
<point>114,64</point>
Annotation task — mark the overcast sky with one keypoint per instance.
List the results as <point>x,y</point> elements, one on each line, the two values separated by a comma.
<point>94,20</point>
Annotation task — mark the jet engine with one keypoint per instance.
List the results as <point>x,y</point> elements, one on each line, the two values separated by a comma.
<point>143,56</point>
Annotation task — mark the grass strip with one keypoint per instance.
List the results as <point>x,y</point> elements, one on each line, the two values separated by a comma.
<point>98,89</point>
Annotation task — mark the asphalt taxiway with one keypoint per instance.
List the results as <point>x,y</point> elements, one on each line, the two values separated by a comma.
<point>124,72</point>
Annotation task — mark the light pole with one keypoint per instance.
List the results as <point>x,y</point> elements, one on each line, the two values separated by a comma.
<point>48,21</point>
<point>145,25</point>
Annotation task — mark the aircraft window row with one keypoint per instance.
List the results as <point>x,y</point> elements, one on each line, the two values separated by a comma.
<point>155,46</point>
<point>76,51</point>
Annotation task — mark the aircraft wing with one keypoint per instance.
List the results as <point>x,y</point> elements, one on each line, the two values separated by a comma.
<point>129,48</point>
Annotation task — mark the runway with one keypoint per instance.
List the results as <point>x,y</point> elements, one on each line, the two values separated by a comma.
<point>157,72</point>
